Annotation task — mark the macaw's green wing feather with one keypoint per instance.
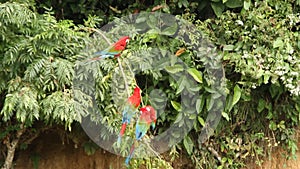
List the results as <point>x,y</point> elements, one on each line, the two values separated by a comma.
<point>152,125</point>
<point>109,51</point>
<point>141,129</point>
<point>113,50</point>
<point>116,48</point>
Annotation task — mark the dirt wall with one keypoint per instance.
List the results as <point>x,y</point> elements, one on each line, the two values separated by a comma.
<point>48,152</point>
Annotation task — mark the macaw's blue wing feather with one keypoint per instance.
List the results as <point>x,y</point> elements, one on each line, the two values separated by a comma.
<point>141,129</point>
<point>127,113</point>
<point>103,55</point>
<point>104,52</point>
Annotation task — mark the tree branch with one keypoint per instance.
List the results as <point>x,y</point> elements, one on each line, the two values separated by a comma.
<point>215,153</point>
<point>127,64</point>
<point>124,77</point>
<point>11,148</point>
<point>100,33</point>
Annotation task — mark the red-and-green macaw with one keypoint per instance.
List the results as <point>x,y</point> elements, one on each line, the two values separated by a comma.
<point>146,119</point>
<point>129,110</point>
<point>112,51</point>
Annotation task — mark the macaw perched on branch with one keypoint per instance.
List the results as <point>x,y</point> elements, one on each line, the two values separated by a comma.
<point>146,119</point>
<point>112,51</point>
<point>129,110</point>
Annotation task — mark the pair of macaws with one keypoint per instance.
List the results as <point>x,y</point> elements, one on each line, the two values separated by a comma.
<point>147,116</point>
<point>146,119</point>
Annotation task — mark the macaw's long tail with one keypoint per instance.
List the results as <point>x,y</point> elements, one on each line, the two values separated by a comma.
<point>129,157</point>
<point>95,58</point>
<point>101,57</point>
<point>122,131</point>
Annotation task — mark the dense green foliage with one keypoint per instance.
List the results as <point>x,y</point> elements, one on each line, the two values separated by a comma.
<point>259,43</point>
<point>37,54</point>
<point>260,50</point>
<point>36,65</point>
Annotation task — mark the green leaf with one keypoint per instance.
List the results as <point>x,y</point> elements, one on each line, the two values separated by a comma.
<point>261,105</point>
<point>141,19</point>
<point>197,75</point>
<point>272,125</point>
<point>227,56</point>
<point>170,30</point>
<point>178,118</point>
<point>174,69</point>
<point>225,115</point>
<point>234,3</point>
<point>176,134</point>
<point>267,76</point>
<point>278,43</point>
<point>176,105</point>
<point>229,106</point>
<point>90,148</point>
<point>289,48</point>
<point>185,3</point>
<point>273,90</point>
<point>236,94</point>
<point>228,47</point>
<point>218,8</point>
<point>201,121</point>
<point>200,104</point>
<point>188,144</point>
<point>209,103</point>
<point>182,83</point>
<point>247,4</point>
<point>220,167</point>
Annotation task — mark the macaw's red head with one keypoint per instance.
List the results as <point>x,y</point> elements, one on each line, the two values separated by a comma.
<point>121,43</point>
<point>152,113</point>
<point>124,39</point>
<point>135,98</point>
<point>149,113</point>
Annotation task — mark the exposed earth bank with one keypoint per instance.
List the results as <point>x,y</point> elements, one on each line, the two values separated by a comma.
<point>48,152</point>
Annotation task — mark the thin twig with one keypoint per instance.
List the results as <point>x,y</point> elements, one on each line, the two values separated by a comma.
<point>123,74</point>
<point>155,153</point>
<point>215,153</point>
<point>151,149</point>
<point>99,32</point>
<point>133,76</point>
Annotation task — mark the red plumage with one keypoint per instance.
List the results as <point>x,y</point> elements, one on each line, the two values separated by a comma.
<point>135,99</point>
<point>129,110</point>
<point>121,44</point>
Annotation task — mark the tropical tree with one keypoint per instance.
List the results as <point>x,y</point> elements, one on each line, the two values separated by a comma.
<point>37,58</point>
